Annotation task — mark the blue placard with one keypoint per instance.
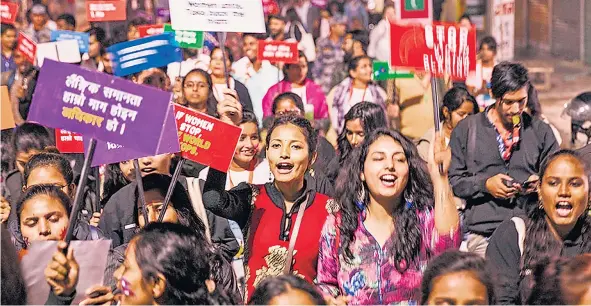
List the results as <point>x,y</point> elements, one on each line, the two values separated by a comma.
<point>82,38</point>
<point>140,54</point>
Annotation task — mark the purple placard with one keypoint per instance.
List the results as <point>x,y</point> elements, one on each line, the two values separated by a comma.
<point>109,153</point>
<point>101,106</point>
<point>162,12</point>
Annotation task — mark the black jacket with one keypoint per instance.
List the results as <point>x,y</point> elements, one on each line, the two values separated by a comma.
<point>484,213</point>
<point>243,95</point>
<point>504,256</point>
<point>118,222</point>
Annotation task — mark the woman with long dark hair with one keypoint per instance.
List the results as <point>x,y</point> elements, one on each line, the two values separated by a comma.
<point>358,87</point>
<point>458,278</point>
<point>559,225</point>
<point>117,176</point>
<point>395,215</point>
<point>216,68</point>
<point>286,290</point>
<point>198,92</point>
<point>267,213</point>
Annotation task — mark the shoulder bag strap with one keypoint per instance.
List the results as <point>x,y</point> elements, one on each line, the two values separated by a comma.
<point>294,236</point>
<point>471,146</point>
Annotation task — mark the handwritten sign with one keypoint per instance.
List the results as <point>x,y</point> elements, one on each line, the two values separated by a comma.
<point>204,139</point>
<point>68,142</point>
<point>439,48</point>
<point>112,10</point>
<point>90,255</point>
<point>27,47</point>
<point>6,117</point>
<point>186,39</point>
<point>143,53</point>
<point>99,106</point>
<point>109,153</point>
<point>8,11</point>
<point>65,51</point>
<point>278,51</point>
<point>82,38</point>
<point>218,15</point>
<point>150,29</point>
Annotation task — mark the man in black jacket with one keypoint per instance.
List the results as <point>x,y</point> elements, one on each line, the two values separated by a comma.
<point>496,156</point>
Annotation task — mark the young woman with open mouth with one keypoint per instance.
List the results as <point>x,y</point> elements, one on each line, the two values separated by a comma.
<point>557,225</point>
<point>395,215</point>
<point>268,213</point>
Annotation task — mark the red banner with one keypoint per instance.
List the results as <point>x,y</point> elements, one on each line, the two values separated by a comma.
<point>204,139</point>
<point>278,51</point>
<point>68,142</point>
<point>27,47</point>
<point>443,49</point>
<point>114,10</point>
<point>150,29</point>
<point>8,12</point>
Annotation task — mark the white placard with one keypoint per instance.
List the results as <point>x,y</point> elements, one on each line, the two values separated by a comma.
<point>503,29</point>
<point>218,15</point>
<point>65,51</point>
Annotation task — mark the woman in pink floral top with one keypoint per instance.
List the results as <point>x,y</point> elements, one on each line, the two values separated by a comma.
<point>396,214</point>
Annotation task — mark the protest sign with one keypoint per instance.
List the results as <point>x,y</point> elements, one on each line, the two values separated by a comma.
<point>382,72</point>
<point>109,153</point>
<point>415,10</point>
<point>140,54</point>
<point>65,51</point>
<point>68,142</point>
<point>204,139</point>
<point>186,39</point>
<point>441,49</point>
<point>90,255</point>
<point>99,106</point>
<point>82,38</point>
<point>163,12</point>
<point>27,47</point>
<point>8,11</point>
<point>278,51</point>
<point>150,29</point>
<point>112,10</point>
<point>6,119</point>
<point>503,29</point>
<point>218,15</point>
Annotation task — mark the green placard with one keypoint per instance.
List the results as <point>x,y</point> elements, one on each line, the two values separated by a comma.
<point>382,72</point>
<point>186,39</point>
<point>414,5</point>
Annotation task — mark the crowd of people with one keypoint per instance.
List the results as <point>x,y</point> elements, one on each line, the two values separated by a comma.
<point>340,191</point>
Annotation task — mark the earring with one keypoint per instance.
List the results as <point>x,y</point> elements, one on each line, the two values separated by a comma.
<point>540,206</point>
<point>361,197</point>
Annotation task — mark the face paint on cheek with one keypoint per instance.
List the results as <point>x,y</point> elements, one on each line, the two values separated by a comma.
<point>126,287</point>
<point>63,233</point>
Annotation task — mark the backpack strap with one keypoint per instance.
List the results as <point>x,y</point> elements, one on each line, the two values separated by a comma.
<point>520,227</point>
<point>471,146</point>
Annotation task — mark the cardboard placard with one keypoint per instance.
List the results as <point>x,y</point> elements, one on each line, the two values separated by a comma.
<point>204,139</point>
<point>109,153</point>
<point>68,142</point>
<point>150,29</point>
<point>112,10</point>
<point>100,106</point>
<point>144,53</point>
<point>278,51</point>
<point>65,51</point>
<point>218,15</point>
<point>27,47</point>
<point>439,48</point>
<point>82,38</point>
<point>8,12</point>
<point>6,117</point>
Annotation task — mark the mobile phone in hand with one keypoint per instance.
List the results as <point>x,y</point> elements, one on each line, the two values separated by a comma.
<point>508,183</point>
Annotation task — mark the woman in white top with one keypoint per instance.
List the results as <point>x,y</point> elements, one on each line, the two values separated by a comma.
<point>216,70</point>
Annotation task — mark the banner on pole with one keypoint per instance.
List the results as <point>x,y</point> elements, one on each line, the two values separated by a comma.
<point>27,47</point>
<point>186,39</point>
<point>382,72</point>
<point>68,142</point>
<point>99,106</point>
<point>65,51</point>
<point>442,49</point>
<point>8,12</point>
<point>218,15</point>
<point>82,38</point>
<point>278,51</point>
<point>100,11</point>
<point>150,29</point>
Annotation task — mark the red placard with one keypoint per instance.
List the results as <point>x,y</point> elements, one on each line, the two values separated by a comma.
<point>112,10</point>
<point>150,29</point>
<point>276,51</point>
<point>204,139</point>
<point>8,12</point>
<point>68,142</point>
<point>441,48</point>
<point>419,10</point>
<point>27,47</point>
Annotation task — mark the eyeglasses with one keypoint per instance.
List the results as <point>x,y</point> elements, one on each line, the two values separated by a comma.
<point>200,85</point>
<point>54,185</point>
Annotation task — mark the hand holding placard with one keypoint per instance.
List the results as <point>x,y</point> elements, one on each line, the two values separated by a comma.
<point>229,109</point>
